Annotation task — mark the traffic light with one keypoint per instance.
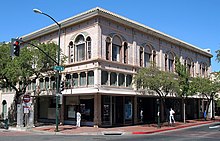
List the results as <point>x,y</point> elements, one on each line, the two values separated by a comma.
<point>15,49</point>
<point>61,86</point>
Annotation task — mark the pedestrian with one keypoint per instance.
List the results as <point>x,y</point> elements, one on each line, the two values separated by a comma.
<point>204,114</point>
<point>78,119</point>
<point>141,114</point>
<point>172,116</point>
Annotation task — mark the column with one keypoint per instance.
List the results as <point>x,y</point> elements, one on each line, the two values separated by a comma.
<point>86,78</point>
<point>117,79</point>
<point>109,77</point>
<point>135,110</point>
<point>97,110</point>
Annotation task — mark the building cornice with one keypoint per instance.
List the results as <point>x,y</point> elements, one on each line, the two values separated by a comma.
<point>120,19</point>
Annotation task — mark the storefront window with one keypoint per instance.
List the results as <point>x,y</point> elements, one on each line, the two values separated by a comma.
<point>87,108</point>
<point>106,110</point>
<point>71,107</point>
<point>128,109</point>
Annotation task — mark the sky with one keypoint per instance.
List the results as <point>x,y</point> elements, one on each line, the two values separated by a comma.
<point>194,21</point>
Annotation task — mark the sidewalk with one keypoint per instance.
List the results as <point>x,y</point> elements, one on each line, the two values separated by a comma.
<point>136,129</point>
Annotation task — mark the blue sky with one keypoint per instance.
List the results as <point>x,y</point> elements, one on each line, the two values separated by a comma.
<point>194,21</point>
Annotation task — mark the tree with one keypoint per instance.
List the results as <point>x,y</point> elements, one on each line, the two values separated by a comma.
<point>183,81</point>
<point>30,64</point>
<point>161,82</point>
<point>205,87</point>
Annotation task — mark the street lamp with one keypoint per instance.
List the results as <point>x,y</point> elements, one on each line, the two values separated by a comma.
<point>58,63</point>
<point>158,113</point>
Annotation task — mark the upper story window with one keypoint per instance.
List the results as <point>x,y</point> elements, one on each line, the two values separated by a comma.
<point>116,49</point>
<point>125,53</point>
<point>203,70</point>
<point>80,49</point>
<point>141,56</point>
<point>88,42</point>
<point>189,66</point>
<point>169,62</point>
<point>147,56</point>
<point>154,58</point>
<point>108,48</point>
<point>71,52</point>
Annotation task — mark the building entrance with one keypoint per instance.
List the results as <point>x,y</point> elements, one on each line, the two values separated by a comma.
<point>118,110</point>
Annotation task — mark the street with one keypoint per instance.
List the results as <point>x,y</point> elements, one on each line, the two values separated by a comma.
<point>209,132</point>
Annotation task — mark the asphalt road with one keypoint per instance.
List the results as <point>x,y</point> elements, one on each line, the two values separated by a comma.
<point>201,133</point>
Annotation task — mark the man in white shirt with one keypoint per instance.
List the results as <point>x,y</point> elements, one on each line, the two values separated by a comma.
<point>172,116</point>
<point>78,119</point>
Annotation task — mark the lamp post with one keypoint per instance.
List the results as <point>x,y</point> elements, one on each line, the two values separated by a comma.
<point>58,63</point>
<point>158,113</point>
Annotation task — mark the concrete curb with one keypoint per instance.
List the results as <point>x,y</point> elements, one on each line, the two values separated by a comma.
<point>172,128</point>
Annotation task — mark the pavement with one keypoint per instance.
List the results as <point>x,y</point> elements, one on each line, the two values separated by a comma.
<point>134,129</point>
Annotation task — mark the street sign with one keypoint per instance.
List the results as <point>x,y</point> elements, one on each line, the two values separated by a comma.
<point>59,68</point>
<point>26,98</point>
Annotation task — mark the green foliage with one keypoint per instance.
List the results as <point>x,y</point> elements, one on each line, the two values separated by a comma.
<point>204,86</point>
<point>31,63</point>
<point>183,78</point>
<point>159,81</point>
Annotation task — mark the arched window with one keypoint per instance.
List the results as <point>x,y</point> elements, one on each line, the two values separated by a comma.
<point>147,56</point>
<point>90,78</point>
<point>171,63</point>
<point>4,109</point>
<point>80,48</point>
<point>203,70</point>
<point>166,62</point>
<point>141,56</point>
<point>125,53</point>
<point>41,83</point>
<point>154,58</point>
<point>116,49</point>
<point>82,79</point>
<point>108,48</point>
<point>75,81</point>
<point>71,52</point>
<point>88,42</point>
<point>121,81</point>
<point>47,83</point>
<point>113,79</point>
<point>128,80</point>
<point>104,78</point>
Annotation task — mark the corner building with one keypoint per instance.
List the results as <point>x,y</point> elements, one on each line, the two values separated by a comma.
<point>105,51</point>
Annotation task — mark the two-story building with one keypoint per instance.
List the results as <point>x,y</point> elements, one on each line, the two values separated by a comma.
<point>105,51</point>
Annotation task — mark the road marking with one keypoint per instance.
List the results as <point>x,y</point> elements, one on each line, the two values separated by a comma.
<point>211,127</point>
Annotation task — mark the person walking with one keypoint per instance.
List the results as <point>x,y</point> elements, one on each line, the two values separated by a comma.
<point>78,119</point>
<point>172,116</point>
<point>204,114</point>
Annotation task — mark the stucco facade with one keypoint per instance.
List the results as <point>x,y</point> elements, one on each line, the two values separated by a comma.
<point>104,52</point>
